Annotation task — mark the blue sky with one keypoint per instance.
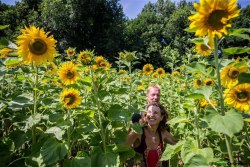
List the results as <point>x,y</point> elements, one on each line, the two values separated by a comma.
<point>132,8</point>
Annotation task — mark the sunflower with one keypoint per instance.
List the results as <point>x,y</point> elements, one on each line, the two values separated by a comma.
<point>208,81</point>
<point>204,103</point>
<point>126,79</point>
<point>70,98</point>
<point>36,46</point>
<point>176,73</point>
<point>140,88</point>
<point>238,97</point>
<point>197,83</point>
<point>213,16</point>
<point>148,69</point>
<point>68,73</point>
<point>140,73</point>
<point>203,49</point>
<point>51,68</point>
<point>155,75</point>
<point>183,87</point>
<point>4,52</point>
<point>127,56</point>
<point>70,51</point>
<point>122,72</point>
<point>122,55</point>
<point>85,57</point>
<point>99,60</point>
<point>160,72</point>
<point>182,67</point>
<point>229,75</point>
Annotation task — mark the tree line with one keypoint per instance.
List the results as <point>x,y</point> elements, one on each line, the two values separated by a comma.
<point>158,34</point>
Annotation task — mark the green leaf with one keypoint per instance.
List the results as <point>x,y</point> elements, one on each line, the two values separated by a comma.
<point>244,78</point>
<point>137,128</point>
<point>197,160</point>
<point>53,151</point>
<point>197,40</point>
<point>100,159</point>
<point>206,91</point>
<point>239,33</point>
<point>125,152</point>
<point>196,68</point>
<point>2,27</point>
<point>111,159</point>
<point>229,124</point>
<point>195,96</point>
<point>177,120</point>
<point>116,113</point>
<point>207,153</point>
<point>188,149</point>
<point>78,162</point>
<point>121,148</point>
<point>12,61</point>
<point>19,138</point>
<point>21,101</point>
<point>193,156</point>
<point>6,150</point>
<point>4,42</point>
<point>58,132</point>
<point>236,50</point>
<point>32,120</point>
<point>172,150</point>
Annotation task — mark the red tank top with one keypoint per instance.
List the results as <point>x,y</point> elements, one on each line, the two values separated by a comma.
<point>151,157</point>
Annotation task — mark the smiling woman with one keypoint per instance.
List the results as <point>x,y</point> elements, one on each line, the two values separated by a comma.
<point>150,143</point>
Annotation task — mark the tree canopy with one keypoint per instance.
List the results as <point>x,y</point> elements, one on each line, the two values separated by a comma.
<point>101,25</point>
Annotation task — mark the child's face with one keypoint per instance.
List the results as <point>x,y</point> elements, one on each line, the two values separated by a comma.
<point>153,115</point>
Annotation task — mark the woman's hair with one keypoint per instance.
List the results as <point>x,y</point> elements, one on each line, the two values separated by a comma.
<point>162,125</point>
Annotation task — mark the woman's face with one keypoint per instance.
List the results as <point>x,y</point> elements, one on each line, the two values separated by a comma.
<point>153,115</point>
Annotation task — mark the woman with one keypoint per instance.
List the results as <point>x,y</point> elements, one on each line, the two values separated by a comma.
<point>155,134</point>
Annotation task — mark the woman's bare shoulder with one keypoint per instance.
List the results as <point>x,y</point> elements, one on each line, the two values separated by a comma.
<point>166,136</point>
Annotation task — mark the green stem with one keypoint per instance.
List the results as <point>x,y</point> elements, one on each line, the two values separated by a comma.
<point>68,135</point>
<point>196,116</point>
<point>229,150</point>
<point>247,135</point>
<point>218,75</point>
<point>130,83</point>
<point>102,133</point>
<point>2,85</point>
<point>35,103</point>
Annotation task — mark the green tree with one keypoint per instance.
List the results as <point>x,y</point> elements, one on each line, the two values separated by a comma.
<point>85,24</point>
<point>17,17</point>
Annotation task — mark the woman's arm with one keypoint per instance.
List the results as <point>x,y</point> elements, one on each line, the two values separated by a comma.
<point>168,137</point>
<point>132,138</point>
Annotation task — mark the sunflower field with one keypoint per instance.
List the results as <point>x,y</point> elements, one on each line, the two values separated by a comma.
<point>77,111</point>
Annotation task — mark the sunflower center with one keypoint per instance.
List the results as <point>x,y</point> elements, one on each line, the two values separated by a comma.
<point>233,73</point>
<point>214,19</point>
<point>38,46</point>
<point>50,67</point>
<point>204,47</point>
<point>103,64</point>
<point>70,98</point>
<point>208,83</point>
<point>242,96</point>
<point>198,82</point>
<point>70,74</point>
<point>148,70</point>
